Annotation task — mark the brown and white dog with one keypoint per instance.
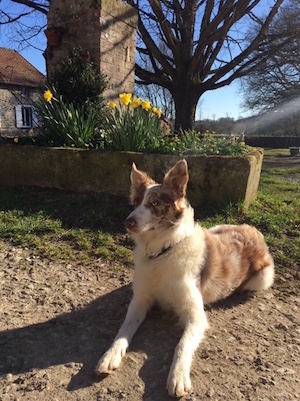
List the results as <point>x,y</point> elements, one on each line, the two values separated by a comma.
<point>182,266</point>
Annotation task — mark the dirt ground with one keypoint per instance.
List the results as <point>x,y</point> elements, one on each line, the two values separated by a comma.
<point>58,318</point>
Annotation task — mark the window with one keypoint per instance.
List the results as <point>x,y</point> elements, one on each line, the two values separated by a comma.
<point>25,116</point>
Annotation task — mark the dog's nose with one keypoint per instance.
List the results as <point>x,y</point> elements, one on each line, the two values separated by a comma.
<point>130,223</point>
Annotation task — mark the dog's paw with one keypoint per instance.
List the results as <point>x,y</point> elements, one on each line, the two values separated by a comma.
<point>111,360</point>
<point>178,383</point>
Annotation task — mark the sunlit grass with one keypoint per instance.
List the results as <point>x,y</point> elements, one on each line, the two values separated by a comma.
<point>61,225</point>
<point>277,152</point>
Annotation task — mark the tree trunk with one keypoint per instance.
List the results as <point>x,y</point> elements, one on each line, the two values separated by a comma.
<point>185,108</point>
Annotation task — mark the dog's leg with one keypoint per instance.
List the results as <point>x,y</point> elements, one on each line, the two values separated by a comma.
<point>179,382</point>
<point>136,314</point>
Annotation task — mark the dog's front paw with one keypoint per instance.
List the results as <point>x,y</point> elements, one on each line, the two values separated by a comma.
<point>111,359</point>
<point>179,382</point>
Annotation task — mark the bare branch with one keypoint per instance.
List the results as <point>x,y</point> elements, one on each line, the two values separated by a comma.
<point>41,7</point>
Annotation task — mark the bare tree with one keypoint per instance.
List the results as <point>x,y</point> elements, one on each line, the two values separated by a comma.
<point>158,95</point>
<point>277,81</point>
<point>209,45</point>
<point>16,24</point>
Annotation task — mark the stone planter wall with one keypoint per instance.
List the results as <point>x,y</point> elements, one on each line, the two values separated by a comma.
<point>212,178</point>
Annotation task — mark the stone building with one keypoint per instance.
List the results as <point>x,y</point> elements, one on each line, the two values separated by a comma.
<point>104,29</point>
<point>19,84</point>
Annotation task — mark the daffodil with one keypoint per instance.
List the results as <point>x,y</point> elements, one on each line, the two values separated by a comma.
<point>48,95</point>
<point>146,105</point>
<point>156,111</point>
<point>131,127</point>
<point>112,105</point>
<point>125,98</point>
<point>136,102</point>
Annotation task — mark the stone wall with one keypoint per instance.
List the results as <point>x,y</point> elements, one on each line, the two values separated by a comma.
<point>217,179</point>
<point>12,96</point>
<point>105,29</point>
<point>7,117</point>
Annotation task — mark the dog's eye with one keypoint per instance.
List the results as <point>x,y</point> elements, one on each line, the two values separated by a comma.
<point>154,203</point>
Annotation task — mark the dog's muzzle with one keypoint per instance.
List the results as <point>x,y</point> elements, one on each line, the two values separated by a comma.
<point>130,224</point>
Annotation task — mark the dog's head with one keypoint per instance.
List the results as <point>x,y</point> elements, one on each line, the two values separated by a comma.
<point>157,206</point>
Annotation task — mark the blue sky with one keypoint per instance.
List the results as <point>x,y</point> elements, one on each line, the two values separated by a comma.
<point>224,102</point>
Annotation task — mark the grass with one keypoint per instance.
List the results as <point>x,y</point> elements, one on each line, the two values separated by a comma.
<point>66,226</point>
<point>63,225</point>
<point>277,152</point>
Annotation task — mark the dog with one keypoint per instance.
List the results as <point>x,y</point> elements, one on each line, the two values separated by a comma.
<point>182,266</point>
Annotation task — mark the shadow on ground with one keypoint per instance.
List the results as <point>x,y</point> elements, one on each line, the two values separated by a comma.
<point>82,336</point>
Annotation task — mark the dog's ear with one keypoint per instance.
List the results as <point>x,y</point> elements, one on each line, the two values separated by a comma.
<point>177,178</point>
<point>139,178</point>
<point>139,182</point>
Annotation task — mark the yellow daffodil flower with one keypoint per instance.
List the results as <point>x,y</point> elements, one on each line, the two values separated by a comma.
<point>146,105</point>
<point>159,113</point>
<point>125,98</point>
<point>112,105</point>
<point>48,95</point>
<point>136,102</point>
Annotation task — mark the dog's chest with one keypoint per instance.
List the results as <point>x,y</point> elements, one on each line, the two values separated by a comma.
<point>166,278</point>
<point>154,279</point>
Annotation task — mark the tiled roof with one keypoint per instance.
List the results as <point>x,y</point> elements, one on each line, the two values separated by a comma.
<point>16,70</point>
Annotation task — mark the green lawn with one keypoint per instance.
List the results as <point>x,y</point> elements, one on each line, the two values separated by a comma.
<point>62,225</point>
<point>277,152</point>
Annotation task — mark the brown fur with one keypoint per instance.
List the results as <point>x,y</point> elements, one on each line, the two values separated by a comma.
<point>222,246</point>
